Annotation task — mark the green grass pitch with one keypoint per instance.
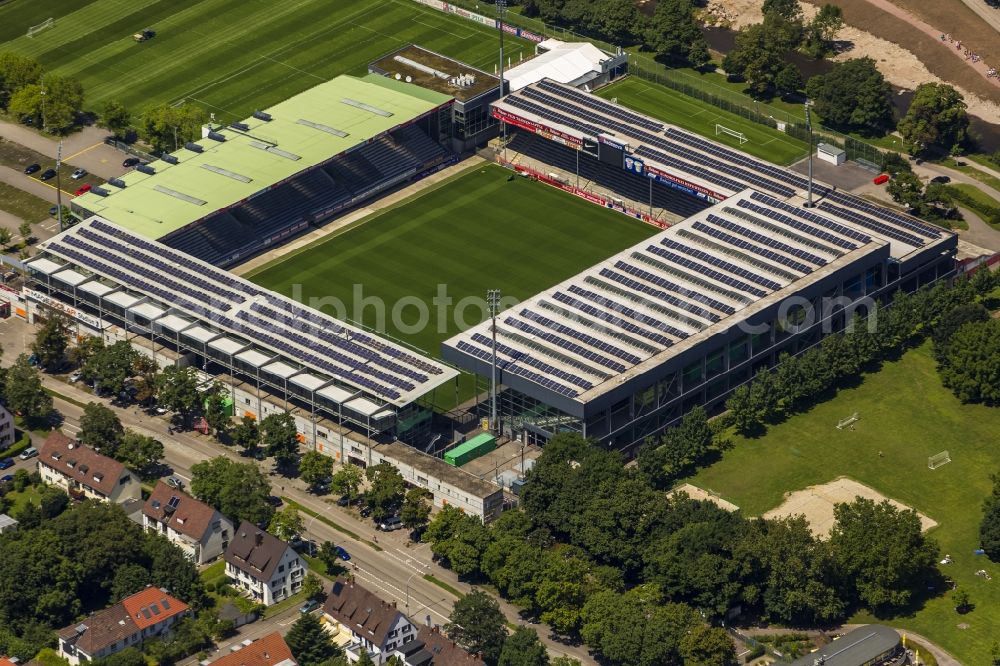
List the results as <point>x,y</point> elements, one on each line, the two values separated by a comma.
<point>475,232</point>
<point>908,415</point>
<point>699,117</point>
<point>231,57</point>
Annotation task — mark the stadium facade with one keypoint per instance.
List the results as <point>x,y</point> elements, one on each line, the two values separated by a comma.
<point>624,349</point>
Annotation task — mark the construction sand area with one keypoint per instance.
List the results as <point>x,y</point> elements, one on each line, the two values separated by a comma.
<point>816,504</point>
<point>694,492</point>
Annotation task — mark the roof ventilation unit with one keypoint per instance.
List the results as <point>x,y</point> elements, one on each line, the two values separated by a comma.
<point>262,115</point>
<point>194,147</point>
<point>169,159</point>
<point>215,136</point>
<point>99,191</point>
<point>243,127</point>
<point>146,169</point>
<point>117,182</point>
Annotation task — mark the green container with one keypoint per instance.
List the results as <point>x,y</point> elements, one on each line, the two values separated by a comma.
<point>478,446</point>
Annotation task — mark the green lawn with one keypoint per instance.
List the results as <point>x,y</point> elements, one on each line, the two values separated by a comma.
<point>691,114</point>
<point>908,415</point>
<point>231,57</point>
<point>477,232</point>
<point>21,499</point>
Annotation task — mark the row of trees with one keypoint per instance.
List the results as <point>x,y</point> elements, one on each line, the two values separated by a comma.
<point>101,429</point>
<point>49,101</point>
<point>797,381</point>
<point>163,126</point>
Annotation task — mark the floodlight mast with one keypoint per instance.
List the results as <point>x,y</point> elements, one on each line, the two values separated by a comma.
<point>501,10</point>
<point>493,301</point>
<point>809,128</point>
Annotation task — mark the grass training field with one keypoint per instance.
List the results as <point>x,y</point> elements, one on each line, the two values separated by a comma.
<point>478,231</point>
<point>699,117</point>
<point>907,415</point>
<point>231,57</point>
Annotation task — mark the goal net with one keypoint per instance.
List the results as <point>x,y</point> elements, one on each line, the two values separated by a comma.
<point>722,129</point>
<point>35,29</point>
<point>938,459</point>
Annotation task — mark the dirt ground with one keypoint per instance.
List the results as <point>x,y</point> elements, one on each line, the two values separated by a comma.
<point>816,504</point>
<point>899,50</point>
<point>694,492</point>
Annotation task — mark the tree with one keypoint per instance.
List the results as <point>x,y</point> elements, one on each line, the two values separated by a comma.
<point>522,648</point>
<point>679,449</point>
<point>949,323</point>
<point>675,35</point>
<point>347,480</point>
<point>52,501</point>
<point>786,9</point>
<point>25,230</point>
<point>84,350</point>
<point>146,370</point>
<point>759,53</point>
<point>477,624</point>
<point>707,646</point>
<point>416,508</point>
<point>100,428</point>
<point>312,586</point>
<point>788,80</point>
<point>216,410</point>
<point>822,30</point>
<point>177,389</point>
<point>16,72</point>
<point>286,524</point>
<point>24,393</point>
<point>114,116</point>
<point>54,103</point>
<point>128,580</point>
<point>385,492</point>
<point>238,490</point>
<point>907,189</point>
<point>110,367</point>
<point>140,453</point>
<point>310,643</point>
<point>167,127</point>
<point>636,627</point>
<point>881,553</point>
<point>246,435</point>
<point>51,342</point>
<point>853,95</point>
<point>315,468</point>
<point>280,439</point>
<point>971,367</point>
<point>989,529</point>
<point>961,600</point>
<point>936,119</point>
<point>5,236</point>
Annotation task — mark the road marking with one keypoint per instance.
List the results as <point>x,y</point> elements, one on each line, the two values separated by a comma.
<point>81,152</point>
<point>371,578</point>
<point>69,426</point>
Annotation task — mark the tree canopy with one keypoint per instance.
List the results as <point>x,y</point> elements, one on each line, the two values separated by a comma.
<point>936,119</point>
<point>51,342</point>
<point>385,491</point>
<point>674,34</point>
<point>238,490</point>
<point>315,468</point>
<point>989,529</point>
<point>109,367</point>
<point>166,127</point>
<point>280,439</point>
<point>477,624</point>
<point>852,96</point>
<point>522,648</point>
<point>310,643</point>
<point>971,363</point>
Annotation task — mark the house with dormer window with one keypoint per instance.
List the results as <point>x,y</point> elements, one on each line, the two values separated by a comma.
<point>263,566</point>
<point>84,473</point>
<point>195,527</point>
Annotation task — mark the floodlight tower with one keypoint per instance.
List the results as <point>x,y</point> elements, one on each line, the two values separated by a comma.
<point>493,301</point>
<point>809,128</point>
<point>59,186</point>
<point>501,10</point>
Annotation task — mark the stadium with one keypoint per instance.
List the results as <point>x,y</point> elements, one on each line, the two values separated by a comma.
<point>617,351</point>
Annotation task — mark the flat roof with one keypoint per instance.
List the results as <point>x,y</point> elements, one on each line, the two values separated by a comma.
<point>96,287</point>
<point>453,476</point>
<point>434,71</point>
<point>304,131</point>
<point>566,62</point>
<point>122,299</point>
<point>201,334</point>
<point>196,292</point>
<point>253,357</point>
<point>855,648</point>
<point>633,311</point>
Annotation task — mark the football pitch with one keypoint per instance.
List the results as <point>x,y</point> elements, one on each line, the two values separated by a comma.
<point>474,232</point>
<point>231,57</point>
<point>906,415</point>
<point>696,116</point>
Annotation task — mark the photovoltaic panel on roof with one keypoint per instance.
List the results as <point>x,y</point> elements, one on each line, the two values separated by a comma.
<point>367,107</point>
<point>321,127</point>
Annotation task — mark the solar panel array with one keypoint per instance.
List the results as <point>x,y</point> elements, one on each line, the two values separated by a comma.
<point>721,263</point>
<point>511,367</point>
<point>808,215</point>
<point>869,223</point>
<point>590,340</point>
<point>542,112</point>
<point>617,307</point>
<point>887,214</point>
<point>767,240</point>
<point>528,359</point>
<point>705,174</point>
<point>669,286</point>
<point>216,297</point>
<point>599,104</point>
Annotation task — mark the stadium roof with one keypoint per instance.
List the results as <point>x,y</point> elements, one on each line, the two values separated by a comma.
<point>664,152</point>
<point>573,63</point>
<point>193,295</point>
<point>631,312</point>
<point>434,72</point>
<point>303,131</point>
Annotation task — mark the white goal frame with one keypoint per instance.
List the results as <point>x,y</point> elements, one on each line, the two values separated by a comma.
<point>35,29</point>
<point>938,459</point>
<point>722,129</point>
<point>849,421</point>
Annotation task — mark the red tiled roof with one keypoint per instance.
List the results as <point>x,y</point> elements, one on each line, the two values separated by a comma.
<point>5,661</point>
<point>152,605</point>
<point>81,463</point>
<point>267,651</point>
<point>186,515</point>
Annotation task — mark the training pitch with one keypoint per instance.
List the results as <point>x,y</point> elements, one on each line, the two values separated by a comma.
<point>473,232</point>
<point>231,57</point>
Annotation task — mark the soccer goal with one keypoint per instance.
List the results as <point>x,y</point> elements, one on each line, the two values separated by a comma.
<point>938,459</point>
<point>722,129</point>
<point>848,422</point>
<point>35,29</point>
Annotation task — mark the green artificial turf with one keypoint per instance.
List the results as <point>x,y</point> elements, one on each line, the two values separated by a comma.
<point>480,231</point>
<point>231,57</point>
<point>907,415</point>
<point>700,117</point>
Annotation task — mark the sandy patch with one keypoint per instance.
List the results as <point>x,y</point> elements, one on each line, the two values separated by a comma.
<point>816,504</point>
<point>694,492</point>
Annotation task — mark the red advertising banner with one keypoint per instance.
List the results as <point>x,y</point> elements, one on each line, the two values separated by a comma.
<point>685,183</point>
<point>547,132</point>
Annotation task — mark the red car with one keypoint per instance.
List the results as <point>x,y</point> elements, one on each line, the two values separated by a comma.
<point>83,190</point>
<point>881,178</point>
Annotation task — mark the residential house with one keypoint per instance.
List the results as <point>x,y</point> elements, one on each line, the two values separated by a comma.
<point>432,648</point>
<point>84,473</point>
<point>8,661</point>
<point>6,429</point>
<point>262,565</point>
<point>271,650</point>
<point>150,612</point>
<point>376,626</point>
<point>198,529</point>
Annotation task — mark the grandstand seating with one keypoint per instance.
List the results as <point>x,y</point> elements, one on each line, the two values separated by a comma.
<point>247,226</point>
<point>605,175</point>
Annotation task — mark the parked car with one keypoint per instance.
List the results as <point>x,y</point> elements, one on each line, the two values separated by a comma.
<point>6,463</point>
<point>32,168</point>
<point>28,453</point>
<point>391,524</point>
<point>83,189</point>
<point>130,162</point>
<point>344,501</point>
<point>75,377</point>
<point>309,606</point>
<point>6,478</point>
<point>174,482</point>
<point>342,554</point>
<point>366,511</point>
<point>48,175</point>
<point>940,179</point>
<point>78,174</point>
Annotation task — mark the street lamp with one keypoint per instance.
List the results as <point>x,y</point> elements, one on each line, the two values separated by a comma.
<point>408,586</point>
